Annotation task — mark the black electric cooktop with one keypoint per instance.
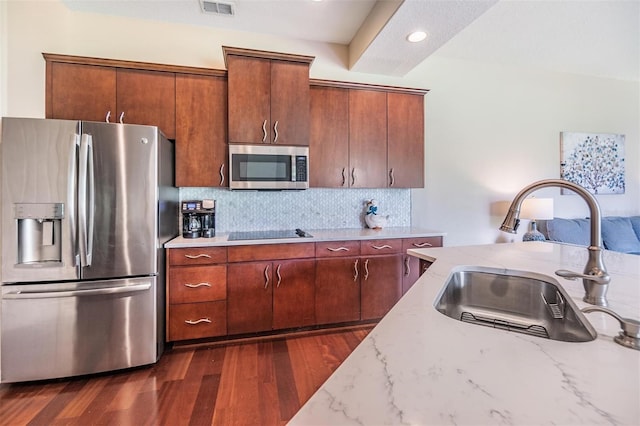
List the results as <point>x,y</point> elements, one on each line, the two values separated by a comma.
<point>268,235</point>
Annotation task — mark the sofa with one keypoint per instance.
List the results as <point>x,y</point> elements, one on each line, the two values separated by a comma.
<point>619,233</point>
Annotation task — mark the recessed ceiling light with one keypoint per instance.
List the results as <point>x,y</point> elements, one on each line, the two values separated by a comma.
<point>416,36</point>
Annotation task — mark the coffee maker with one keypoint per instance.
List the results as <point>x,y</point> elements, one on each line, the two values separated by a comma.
<point>198,219</point>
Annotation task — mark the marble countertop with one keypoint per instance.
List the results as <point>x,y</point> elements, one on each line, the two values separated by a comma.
<point>420,367</point>
<point>222,239</point>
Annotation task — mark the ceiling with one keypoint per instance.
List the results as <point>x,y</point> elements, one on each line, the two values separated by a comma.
<point>599,38</point>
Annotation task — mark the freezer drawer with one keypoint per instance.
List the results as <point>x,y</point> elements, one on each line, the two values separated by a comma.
<point>54,330</point>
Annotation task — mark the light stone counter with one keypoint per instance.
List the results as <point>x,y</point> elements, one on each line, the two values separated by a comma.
<point>420,367</point>
<point>318,236</point>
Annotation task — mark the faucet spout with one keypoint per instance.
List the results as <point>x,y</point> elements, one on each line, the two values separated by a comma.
<point>595,278</point>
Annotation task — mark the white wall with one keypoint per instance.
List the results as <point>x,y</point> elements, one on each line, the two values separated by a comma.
<point>490,129</point>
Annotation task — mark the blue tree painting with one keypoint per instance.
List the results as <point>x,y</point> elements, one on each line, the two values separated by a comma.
<point>594,161</point>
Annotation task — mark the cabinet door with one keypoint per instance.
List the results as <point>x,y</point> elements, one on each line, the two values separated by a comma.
<point>337,290</point>
<point>293,293</point>
<point>201,131</point>
<point>368,138</point>
<point>405,114</point>
<point>413,267</point>
<point>289,103</point>
<point>380,285</point>
<point>80,92</point>
<point>249,81</point>
<point>249,297</point>
<point>329,137</point>
<point>147,97</point>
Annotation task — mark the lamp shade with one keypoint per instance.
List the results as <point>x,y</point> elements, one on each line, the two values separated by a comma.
<point>537,208</point>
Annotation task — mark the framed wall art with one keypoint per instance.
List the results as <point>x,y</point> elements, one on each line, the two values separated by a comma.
<point>594,161</point>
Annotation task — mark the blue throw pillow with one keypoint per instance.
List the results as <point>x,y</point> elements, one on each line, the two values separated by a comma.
<point>635,222</point>
<point>618,235</point>
<point>573,231</point>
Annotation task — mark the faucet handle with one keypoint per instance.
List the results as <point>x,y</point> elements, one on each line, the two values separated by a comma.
<point>630,334</point>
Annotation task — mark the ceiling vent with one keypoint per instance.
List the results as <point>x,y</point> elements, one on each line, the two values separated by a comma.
<point>217,7</point>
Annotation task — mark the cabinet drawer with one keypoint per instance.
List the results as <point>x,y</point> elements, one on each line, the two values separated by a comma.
<point>373,247</point>
<point>337,248</point>
<point>197,255</point>
<point>252,253</point>
<point>422,242</point>
<point>197,320</point>
<point>197,283</point>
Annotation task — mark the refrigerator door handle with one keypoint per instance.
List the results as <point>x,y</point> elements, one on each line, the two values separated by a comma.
<point>85,207</point>
<point>76,293</point>
<point>72,195</point>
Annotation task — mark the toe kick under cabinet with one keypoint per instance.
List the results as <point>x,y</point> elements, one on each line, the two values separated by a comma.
<point>214,292</point>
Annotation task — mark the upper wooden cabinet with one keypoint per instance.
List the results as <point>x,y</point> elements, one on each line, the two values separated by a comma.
<point>405,140</point>
<point>268,97</point>
<point>95,90</point>
<point>329,137</point>
<point>365,136</point>
<point>368,139</point>
<point>201,131</point>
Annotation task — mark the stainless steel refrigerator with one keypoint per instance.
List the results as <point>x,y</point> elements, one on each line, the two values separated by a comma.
<point>86,209</point>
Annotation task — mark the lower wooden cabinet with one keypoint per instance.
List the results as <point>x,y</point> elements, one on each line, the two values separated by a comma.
<point>337,289</point>
<point>236,290</point>
<point>197,320</point>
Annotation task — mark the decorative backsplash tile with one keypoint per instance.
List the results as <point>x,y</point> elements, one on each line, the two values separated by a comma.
<point>309,209</point>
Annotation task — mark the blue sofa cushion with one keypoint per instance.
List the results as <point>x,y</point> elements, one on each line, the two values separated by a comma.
<point>573,231</point>
<point>618,235</point>
<point>635,223</point>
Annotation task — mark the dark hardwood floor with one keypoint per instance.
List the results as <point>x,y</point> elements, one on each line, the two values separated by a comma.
<point>257,382</point>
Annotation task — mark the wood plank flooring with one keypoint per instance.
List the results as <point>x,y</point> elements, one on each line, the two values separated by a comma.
<point>256,382</point>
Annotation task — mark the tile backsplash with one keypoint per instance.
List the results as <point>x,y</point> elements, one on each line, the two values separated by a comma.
<point>309,209</point>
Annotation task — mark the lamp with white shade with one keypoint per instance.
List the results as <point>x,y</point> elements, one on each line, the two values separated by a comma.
<point>536,209</point>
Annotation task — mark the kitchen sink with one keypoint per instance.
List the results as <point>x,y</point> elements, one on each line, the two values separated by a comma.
<point>518,301</point>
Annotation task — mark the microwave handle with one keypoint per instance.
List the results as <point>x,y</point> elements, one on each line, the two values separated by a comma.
<point>293,168</point>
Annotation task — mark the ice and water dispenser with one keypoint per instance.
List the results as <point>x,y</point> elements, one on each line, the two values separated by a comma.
<point>39,232</point>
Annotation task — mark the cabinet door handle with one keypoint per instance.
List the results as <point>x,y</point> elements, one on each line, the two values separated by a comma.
<point>275,130</point>
<point>198,321</point>
<point>386,246</point>
<point>121,119</point>
<point>353,176</point>
<point>391,178</point>
<point>422,244</point>
<point>264,131</point>
<point>366,269</point>
<point>222,175</point>
<point>337,249</point>
<point>344,177</point>
<point>407,268</point>
<point>198,285</point>
<point>197,256</point>
<point>355,270</point>
<point>278,274</point>
<point>106,119</point>
<point>266,277</point>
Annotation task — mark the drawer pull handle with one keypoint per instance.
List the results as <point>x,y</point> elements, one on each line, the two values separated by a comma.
<point>386,246</point>
<point>222,175</point>
<point>266,277</point>
<point>407,267</point>
<point>198,285</point>
<point>197,256</point>
<point>344,177</point>
<point>337,249</point>
<point>192,322</point>
<point>422,245</point>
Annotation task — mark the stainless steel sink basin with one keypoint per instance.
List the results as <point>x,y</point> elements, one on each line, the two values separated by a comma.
<point>518,301</point>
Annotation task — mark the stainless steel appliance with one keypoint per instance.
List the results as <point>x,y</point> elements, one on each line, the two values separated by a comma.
<point>86,208</point>
<point>268,167</point>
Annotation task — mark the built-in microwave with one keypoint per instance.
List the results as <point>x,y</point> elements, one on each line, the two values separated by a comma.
<point>268,167</point>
